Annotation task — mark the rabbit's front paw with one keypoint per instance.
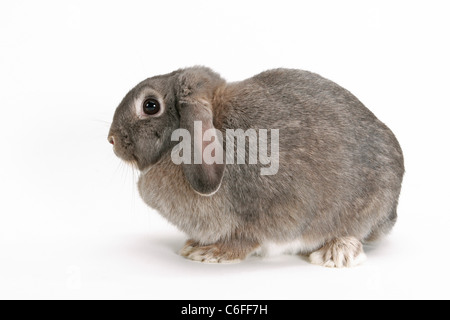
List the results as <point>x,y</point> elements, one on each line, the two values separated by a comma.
<point>208,254</point>
<point>188,248</point>
<point>221,252</point>
<point>339,253</point>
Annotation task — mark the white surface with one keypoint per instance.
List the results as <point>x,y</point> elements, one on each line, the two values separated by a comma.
<point>71,222</point>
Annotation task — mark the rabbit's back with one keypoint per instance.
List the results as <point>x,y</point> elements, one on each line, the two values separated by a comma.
<point>340,168</point>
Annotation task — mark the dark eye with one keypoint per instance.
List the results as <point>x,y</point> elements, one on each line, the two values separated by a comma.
<point>151,107</point>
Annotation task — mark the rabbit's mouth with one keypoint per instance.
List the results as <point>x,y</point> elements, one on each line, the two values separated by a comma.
<point>123,151</point>
<point>128,158</point>
<point>123,146</point>
<point>127,152</point>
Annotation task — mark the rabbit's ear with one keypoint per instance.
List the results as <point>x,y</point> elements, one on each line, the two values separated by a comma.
<point>196,90</point>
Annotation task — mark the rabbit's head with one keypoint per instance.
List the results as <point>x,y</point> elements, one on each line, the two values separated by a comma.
<point>148,115</point>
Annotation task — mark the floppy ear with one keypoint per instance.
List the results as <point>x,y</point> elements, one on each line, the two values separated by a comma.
<point>195,92</point>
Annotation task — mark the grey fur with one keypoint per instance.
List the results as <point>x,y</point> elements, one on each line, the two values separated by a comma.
<point>340,168</point>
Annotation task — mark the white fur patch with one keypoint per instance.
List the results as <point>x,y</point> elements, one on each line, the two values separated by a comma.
<point>269,249</point>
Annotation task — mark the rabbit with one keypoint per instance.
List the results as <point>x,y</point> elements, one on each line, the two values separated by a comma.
<point>339,173</point>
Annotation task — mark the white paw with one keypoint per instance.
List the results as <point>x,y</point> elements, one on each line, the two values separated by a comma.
<point>206,254</point>
<point>339,253</point>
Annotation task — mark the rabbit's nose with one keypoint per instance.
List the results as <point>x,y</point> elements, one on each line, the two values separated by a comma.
<point>111,139</point>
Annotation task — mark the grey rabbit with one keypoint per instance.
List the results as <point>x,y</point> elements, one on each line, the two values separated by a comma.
<point>339,173</point>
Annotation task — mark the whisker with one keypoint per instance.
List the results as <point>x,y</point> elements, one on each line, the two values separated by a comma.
<point>127,167</point>
<point>133,168</point>
<point>103,121</point>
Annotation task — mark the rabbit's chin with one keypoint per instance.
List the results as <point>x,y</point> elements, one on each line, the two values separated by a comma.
<point>131,162</point>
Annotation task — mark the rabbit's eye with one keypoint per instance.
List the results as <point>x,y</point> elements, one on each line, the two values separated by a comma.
<point>151,107</point>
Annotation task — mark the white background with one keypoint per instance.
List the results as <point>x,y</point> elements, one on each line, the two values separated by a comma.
<point>71,222</point>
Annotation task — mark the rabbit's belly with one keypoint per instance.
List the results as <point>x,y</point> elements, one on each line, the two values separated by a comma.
<point>270,248</point>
